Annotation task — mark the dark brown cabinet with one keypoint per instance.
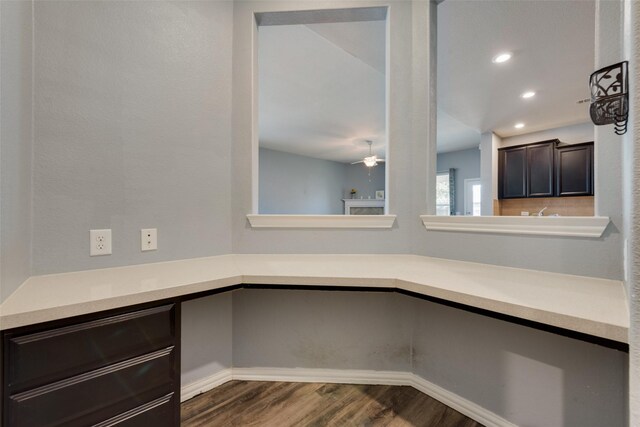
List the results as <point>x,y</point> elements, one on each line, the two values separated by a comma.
<point>513,176</point>
<point>120,369</point>
<point>526,171</point>
<point>574,170</point>
<point>540,170</point>
<point>544,169</point>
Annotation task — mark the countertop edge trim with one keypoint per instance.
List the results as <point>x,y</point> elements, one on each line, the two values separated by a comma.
<point>592,227</point>
<point>321,221</point>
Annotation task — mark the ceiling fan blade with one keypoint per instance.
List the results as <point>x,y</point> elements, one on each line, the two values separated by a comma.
<point>380,160</point>
<point>359,161</point>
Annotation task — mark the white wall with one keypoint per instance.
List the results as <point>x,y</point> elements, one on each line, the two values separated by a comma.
<point>16,135</point>
<point>132,130</point>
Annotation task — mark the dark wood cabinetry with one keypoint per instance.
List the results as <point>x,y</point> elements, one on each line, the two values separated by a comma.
<point>540,170</point>
<point>526,171</point>
<point>544,169</point>
<point>119,369</point>
<point>513,176</point>
<point>574,170</point>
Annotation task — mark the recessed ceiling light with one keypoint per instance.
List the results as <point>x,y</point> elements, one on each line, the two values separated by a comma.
<point>528,94</point>
<point>519,125</point>
<point>502,57</point>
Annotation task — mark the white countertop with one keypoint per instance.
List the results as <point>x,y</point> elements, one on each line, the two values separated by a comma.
<point>589,305</point>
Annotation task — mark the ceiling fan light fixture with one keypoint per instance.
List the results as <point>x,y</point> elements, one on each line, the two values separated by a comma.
<point>370,161</point>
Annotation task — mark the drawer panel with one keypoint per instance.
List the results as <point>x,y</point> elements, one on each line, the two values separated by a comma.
<point>97,395</point>
<point>157,413</point>
<point>40,358</point>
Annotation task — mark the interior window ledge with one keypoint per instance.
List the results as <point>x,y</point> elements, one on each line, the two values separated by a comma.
<point>565,226</point>
<point>321,221</point>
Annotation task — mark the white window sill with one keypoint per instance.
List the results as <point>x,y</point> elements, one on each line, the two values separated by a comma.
<point>321,221</point>
<point>566,226</point>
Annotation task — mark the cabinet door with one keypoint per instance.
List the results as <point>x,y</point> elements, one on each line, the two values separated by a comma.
<point>574,170</point>
<point>540,170</point>
<point>513,173</point>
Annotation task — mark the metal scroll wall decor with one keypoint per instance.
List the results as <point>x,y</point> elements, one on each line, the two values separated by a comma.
<point>610,96</point>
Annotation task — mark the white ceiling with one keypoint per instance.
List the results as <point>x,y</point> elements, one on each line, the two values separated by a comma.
<point>322,89</point>
<point>553,54</point>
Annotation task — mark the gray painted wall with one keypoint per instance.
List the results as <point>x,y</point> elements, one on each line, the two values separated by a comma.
<point>135,126</point>
<point>321,329</point>
<point>207,341</point>
<point>245,143</point>
<point>530,377</point>
<point>358,177</point>
<point>16,74</point>
<point>293,184</point>
<point>631,190</point>
<point>132,130</point>
<point>467,166</point>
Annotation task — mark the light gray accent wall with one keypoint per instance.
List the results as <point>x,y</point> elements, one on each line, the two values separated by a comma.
<point>206,339</point>
<point>294,184</point>
<point>358,177</point>
<point>467,166</point>
<point>530,377</point>
<point>321,329</point>
<point>574,134</point>
<point>631,178</point>
<point>509,369</point>
<point>245,144</point>
<point>132,130</point>
<point>16,138</point>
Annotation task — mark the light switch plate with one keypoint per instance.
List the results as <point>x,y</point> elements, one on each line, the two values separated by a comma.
<point>100,242</point>
<point>148,239</point>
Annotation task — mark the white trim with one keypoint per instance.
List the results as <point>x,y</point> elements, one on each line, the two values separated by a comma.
<point>205,384</point>
<point>564,226</point>
<point>348,376</point>
<point>321,221</point>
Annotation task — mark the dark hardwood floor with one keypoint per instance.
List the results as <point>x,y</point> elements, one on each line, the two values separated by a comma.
<point>280,404</point>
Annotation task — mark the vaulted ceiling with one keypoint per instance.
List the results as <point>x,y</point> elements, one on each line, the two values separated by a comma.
<point>552,43</point>
<point>322,89</point>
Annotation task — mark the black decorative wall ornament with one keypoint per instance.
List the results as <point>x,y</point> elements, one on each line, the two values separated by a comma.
<point>610,96</point>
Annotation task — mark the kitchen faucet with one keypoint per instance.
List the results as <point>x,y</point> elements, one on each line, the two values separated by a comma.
<point>542,210</point>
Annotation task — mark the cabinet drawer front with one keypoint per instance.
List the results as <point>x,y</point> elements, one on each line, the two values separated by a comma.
<point>98,395</point>
<point>157,413</point>
<point>51,355</point>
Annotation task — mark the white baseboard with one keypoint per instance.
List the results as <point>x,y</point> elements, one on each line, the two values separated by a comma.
<point>340,376</point>
<point>205,384</point>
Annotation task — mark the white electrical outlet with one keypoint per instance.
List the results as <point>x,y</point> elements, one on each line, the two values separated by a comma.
<point>148,239</point>
<point>100,242</point>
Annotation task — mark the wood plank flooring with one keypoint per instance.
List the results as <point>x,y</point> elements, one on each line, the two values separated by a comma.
<point>282,404</point>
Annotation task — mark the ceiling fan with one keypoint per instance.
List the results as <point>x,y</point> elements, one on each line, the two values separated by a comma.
<point>371,160</point>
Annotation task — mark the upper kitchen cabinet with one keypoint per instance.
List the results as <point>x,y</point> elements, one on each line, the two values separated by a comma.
<point>513,173</point>
<point>540,169</point>
<point>544,169</point>
<point>574,170</point>
<point>526,171</point>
